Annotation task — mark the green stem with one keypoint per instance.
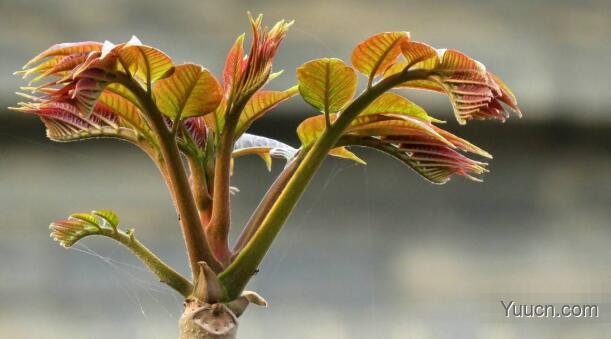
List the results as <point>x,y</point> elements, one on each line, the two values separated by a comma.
<point>162,270</point>
<point>236,276</point>
<point>178,184</point>
<point>267,202</point>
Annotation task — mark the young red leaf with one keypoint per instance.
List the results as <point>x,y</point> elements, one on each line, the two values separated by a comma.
<point>65,49</point>
<point>243,74</point>
<point>65,123</point>
<point>473,92</point>
<point>234,66</point>
<point>374,55</point>
<point>88,87</point>
<point>198,130</point>
<point>506,96</point>
<point>327,84</point>
<point>419,55</point>
<point>434,162</point>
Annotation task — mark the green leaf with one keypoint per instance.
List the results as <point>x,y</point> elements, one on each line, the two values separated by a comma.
<point>147,64</point>
<point>327,84</point>
<point>129,115</point>
<point>259,104</point>
<point>216,120</point>
<point>190,91</point>
<point>399,126</point>
<point>343,152</point>
<point>391,103</point>
<point>310,129</point>
<point>123,92</point>
<point>111,217</point>
<point>88,218</point>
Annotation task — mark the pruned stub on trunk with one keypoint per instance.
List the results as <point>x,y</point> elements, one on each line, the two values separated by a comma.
<point>207,313</point>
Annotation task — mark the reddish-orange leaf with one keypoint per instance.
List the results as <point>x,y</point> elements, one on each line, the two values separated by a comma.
<point>506,96</point>
<point>474,93</point>
<point>374,55</point>
<point>419,55</point>
<point>234,65</point>
<point>66,49</point>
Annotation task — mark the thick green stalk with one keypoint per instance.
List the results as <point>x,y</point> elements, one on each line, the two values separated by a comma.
<point>267,202</point>
<point>178,184</point>
<point>162,270</point>
<point>237,275</point>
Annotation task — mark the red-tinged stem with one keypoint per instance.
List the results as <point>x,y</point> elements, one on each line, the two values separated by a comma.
<point>176,179</point>
<point>217,230</point>
<point>199,186</point>
<point>236,276</point>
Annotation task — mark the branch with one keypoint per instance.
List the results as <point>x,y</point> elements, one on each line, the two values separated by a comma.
<point>217,230</point>
<point>104,223</point>
<point>199,185</point>
<point>237,275</point>
<point>176,179</point>
<point>267,202</point>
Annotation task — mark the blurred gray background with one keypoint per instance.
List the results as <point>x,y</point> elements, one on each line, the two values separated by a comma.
<point>370,252</point>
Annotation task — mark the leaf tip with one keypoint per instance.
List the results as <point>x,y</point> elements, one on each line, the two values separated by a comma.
<point>134,41</point>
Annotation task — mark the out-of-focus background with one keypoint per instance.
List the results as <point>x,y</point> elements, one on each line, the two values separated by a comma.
<point>370,252</point>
